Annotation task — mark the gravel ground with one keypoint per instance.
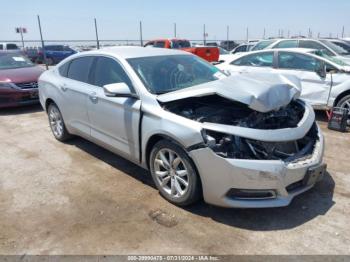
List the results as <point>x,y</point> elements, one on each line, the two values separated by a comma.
<point>77,198</point>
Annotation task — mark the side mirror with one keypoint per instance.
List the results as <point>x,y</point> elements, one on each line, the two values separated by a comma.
<point>118,90</point>
<point>321,70</point>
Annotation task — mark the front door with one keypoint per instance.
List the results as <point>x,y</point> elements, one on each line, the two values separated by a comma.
<point>315,88</point>
<point>114,121</point>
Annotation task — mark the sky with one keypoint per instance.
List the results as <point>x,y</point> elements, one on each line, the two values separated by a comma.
<point>119,19</point>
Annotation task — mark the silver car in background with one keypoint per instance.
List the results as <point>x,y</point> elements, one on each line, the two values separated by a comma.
<point>236,141</point>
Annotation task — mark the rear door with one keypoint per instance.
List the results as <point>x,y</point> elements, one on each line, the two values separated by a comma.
<point>74,92</point>
<point>315,89</point>
<point>114,120</point>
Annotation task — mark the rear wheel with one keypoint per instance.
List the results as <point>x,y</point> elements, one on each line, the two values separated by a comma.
<point>174,174</point>
<point>57,125</point>
<point>345,103</point>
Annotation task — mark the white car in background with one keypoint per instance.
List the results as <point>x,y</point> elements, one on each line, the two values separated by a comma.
<point>325,45</point>
<point>226,55</point>
<point>325,80</point>
<point>243,48</point>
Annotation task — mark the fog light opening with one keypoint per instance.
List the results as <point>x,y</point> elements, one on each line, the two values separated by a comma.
<point>251,194</point>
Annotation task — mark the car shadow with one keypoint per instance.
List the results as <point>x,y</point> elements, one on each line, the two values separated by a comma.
<point>21,110</point>
<point>305,207</point>
<point>113,160</point>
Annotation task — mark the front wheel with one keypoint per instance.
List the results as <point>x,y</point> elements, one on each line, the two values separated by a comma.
<point>174,174</point>
<point>57,125</point>
<point>345,103</point>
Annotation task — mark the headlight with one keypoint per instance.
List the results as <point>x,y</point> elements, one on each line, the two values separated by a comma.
<point>224,145</point>
<point>6,85</point>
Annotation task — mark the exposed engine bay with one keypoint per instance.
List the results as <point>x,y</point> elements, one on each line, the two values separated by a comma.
<point>216,109</point>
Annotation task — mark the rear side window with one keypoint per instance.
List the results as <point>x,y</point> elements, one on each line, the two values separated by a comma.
<point>314,45</point>
<point>79,69</point>
<point>297,61</point>
<point>259,60</point>
<point>180,44</point>
<point>11,46</point>
<point>63,69</point>
<point>287,44</point>
<point>242,48</point>
<point>149,44</point>
<point>160,44</point>
<point>108,71</point>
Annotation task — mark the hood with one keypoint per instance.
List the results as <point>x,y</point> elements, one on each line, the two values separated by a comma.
<point>261,92</point>
<point>21,75</point>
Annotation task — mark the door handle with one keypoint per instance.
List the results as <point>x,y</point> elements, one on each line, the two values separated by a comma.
<point>93,97</point>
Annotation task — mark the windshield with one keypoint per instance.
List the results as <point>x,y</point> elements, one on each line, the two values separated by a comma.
<point>330,58</point>
<point>339,50</point>
<point>163,74</point>
<point>343,45</point>
<point>180,44</point>
<point>13,60</point>
<point>262,45</point>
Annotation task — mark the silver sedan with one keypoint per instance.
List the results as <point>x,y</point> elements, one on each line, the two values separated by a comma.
<point>235,141</point>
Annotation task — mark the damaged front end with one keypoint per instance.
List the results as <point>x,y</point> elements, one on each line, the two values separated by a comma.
<point>233,130</point>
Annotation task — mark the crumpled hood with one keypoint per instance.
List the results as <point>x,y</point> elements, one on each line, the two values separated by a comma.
<point>261,92</point>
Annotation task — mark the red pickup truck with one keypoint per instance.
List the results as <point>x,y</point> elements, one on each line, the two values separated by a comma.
<point>211,54</point>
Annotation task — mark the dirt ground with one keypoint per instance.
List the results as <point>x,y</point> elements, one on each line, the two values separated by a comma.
<point>77,198</point>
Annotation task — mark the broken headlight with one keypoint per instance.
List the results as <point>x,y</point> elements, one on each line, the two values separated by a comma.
<point>224,145</point>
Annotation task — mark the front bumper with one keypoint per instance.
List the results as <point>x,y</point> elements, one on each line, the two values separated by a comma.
<point>17,97</point>
<point>220,175</point>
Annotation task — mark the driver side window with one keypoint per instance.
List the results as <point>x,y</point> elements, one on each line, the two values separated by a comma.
<point>259,60</point>
<point>108,71</point>
<point>297,61</point>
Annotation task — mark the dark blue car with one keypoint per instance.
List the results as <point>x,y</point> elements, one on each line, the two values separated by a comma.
<point>54,54</point>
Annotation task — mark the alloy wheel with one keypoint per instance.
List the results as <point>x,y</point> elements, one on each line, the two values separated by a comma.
<point>56,122</point>
<point>346,104</point>
<point>171,173</point>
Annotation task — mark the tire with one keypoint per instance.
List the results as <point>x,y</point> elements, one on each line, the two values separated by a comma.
<point>181,184</point>
<point>345,103</point>
<point>56,122</point>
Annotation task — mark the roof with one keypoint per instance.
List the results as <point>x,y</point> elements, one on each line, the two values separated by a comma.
<point>126,52</point>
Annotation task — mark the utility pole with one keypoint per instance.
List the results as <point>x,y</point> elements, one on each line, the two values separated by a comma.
<point>21,31</point>
<point>342,32</point>
<point>42,43</point>
<point>247,36</point>
<point>141,40</point>
<point>288,34</point>
<point>175,30</point>
<point>97,41</point>
<point>204,35</point>
<point>227,33</point>
<point>264,34</point>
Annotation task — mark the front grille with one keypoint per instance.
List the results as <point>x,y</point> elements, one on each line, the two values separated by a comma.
<point>28,85</point>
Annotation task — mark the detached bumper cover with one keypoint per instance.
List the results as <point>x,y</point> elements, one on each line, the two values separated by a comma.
<point>220,175</point>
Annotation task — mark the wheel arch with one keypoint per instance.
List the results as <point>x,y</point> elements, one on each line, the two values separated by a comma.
<point>158,137</point>
<point>154,139</point>
<point>340,96</point>
<point>48,102</point>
